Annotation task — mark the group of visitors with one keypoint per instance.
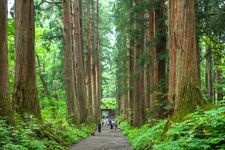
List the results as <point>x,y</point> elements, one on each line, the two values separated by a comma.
<point>113,124</point>
<point>107,121</point>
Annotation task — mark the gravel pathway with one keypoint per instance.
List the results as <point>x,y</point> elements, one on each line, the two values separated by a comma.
<point>106,140</point>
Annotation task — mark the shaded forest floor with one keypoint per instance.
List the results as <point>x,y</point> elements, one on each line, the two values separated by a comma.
<point>106,140</point>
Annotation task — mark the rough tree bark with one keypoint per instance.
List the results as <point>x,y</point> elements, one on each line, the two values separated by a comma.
<point>68,62</point>
<point>182,46</point>
<point>153,62</point>
<point>25,91</point>
<point>131,84</point>
<point>88,37</point>
<point>130,70</point>
<point>172,17</point>
<point>5,105</point>
<point>128,74</point>
<point>79,64</point>
<point>138,117</point>
<point>97,65</point>
<point>93,60</point>
<point>150,45</point>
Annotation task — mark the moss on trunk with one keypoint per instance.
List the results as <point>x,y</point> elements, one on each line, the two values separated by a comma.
<point>189,97</point>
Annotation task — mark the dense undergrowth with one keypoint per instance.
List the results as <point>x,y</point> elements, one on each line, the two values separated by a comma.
<point>201,130</point>
<point>52,133</point>
<point>49,135</point>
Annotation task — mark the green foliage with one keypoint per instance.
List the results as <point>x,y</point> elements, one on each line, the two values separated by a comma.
<point>143,138</point>
<point>54,112</point>
<point>54,108</point>
<point>49,49</point>
<point>107,40</point>
<point>108,103</point>
<point>11,50</point>
<point>68,134</point>
<point>200,130</point>
<point>51,134</point>
<point>20,137</point>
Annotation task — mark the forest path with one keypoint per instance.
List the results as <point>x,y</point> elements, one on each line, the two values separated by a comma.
<point>106,140</point>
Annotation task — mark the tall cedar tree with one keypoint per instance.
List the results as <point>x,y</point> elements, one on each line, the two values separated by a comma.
<point>88,62</point>
<point>149,66</point>
<point>92,42</point>
<point>79,64</point>
<point>68,64</point>
<point>25,91</point>
<point>156,68</point>
<point>130,67</point>
<point>184,79</point>
<point>138,112</point>
<point>5,106</point>
<point>97,65</point>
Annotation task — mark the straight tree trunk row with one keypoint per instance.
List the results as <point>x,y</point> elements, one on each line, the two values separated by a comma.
<point>146,68</point>
<point>146,71</point>
<point>82,76</point>
<point>25,100</point>
<point>5,105</point>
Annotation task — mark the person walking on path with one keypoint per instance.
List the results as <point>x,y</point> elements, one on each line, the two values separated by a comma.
<point>111,124</point>
<point>99,127</point>
<point>115,125</point>
<point>106,140</point>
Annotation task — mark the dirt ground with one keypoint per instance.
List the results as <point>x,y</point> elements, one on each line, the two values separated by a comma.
<point>106,140</point>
